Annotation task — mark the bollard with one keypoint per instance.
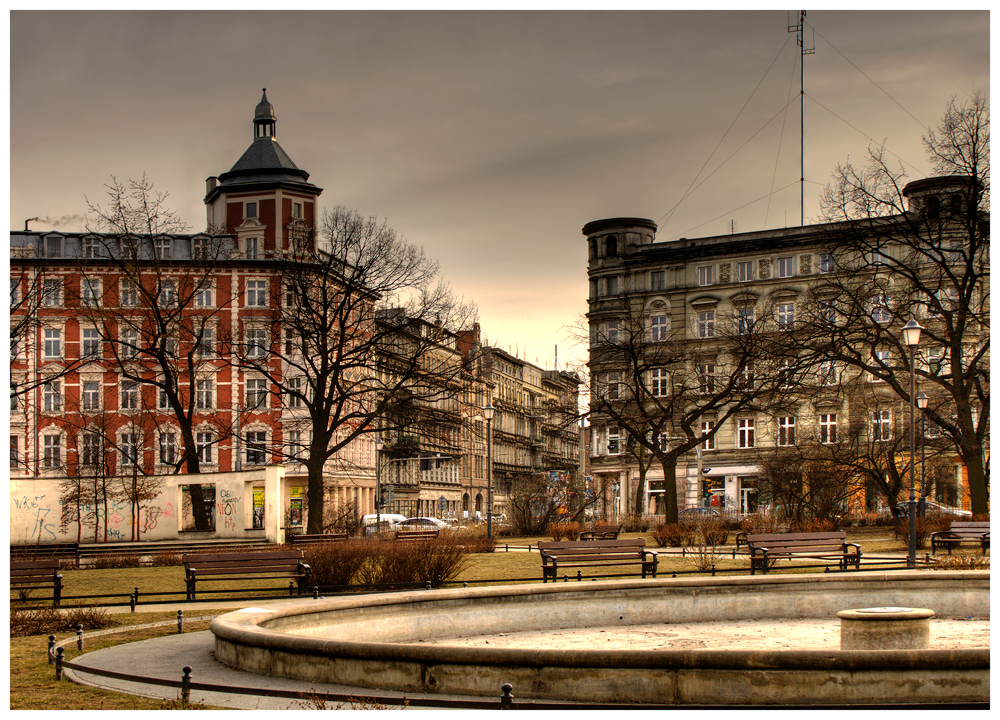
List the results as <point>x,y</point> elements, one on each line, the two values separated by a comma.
<point>134,600</point>
<point>579,576</point>
<point>186,686</point>
<point>565,578</point>
<point>315,593</point>
<point>507,699</point>
<point>180,621</point>
<point>291,588</point>
<point>79,637</point>
<point>52,646</point>
<point>59,661</point>
<point>465,584</point>
<point>438,581</point>
<point>428,585</point>
<point>713,569</point>
<point>674,575</point>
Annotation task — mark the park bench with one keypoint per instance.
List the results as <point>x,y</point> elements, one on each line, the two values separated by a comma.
<point>962,531</point>
<point>36,551</point>
<point>564,554</point>
<point>29,575</point>
<point>419,534</point>
<point>316,539</point>
<point>216,567</point>
<point>601,532</point>
<point>766,548</point>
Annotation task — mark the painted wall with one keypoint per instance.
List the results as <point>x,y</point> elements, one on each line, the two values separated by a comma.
<point>39,514</point>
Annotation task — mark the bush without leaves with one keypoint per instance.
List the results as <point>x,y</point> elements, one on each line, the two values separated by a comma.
<point>564,530</point>
<point>47,621</point>
<point>474,539</point>
<point>672,535</point>
<point>113,561</point>
<point>335,563</point>
<point>960,562</point>
<point>165,559</point>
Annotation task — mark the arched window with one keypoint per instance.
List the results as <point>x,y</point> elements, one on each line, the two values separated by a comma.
<point>611,246</point>
<point>933,206</point>
<point>955,204</point>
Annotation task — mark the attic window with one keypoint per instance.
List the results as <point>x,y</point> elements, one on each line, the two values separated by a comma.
<point>251,210</point>
<point>297,210</point>
<point>933,206</point>
<point>611,246</point>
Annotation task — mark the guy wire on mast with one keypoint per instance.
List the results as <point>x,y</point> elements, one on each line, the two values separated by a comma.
<point>803,51</point>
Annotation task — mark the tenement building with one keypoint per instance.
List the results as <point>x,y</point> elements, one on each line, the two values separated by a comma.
<point>741,347</point>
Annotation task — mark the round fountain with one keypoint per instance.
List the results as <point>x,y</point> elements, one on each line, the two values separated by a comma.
<point>409,642</point>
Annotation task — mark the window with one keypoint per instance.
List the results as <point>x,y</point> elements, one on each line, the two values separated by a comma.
<point>90,343</point>
<point>706,324</point>
<point>15,454</point>
<point>168,448</point>
<point>129,395</point>
<point>658,280</point>
<point>129,246</point>
<point>203,346</point>
<point>828,312</point>
<point>659,385</point>
<point>707,427</point>
<point>614,441</point>
<point>90,292</point>
<point>53,246</point>
<point>881,360</point>
<point>129,446</point>
<point>295,387</point>
<point>826,263</point>
<point>933,358</point>
<point>203,295</point>
<point>613,391</point>
<point>612,285</point>
<point>706,379</point>
<point>52,291</point>
<point>15,292</point>
<point>256,293</point>
<point>786,317</point>
<point>744,320</point>
<point>203,394</point>
<point>744,271</point>
<point>706,275</point>
<point>291,295</point>
<point>200,248</point>
<point>251,248</point>
<point>203,442</point>
<point>612,332</point>
<point>828,428</point>
<point>786,431</point>
<point>162,399</point>
<point>880,310</point>
<point>295,448</point>
<point>163,248</point>
<point>256,393</point>
<point>53,343</point>
<point>881,425</point>
<point>90,395</point>
<point>51,451</point>
<point>256,447</point>
<point>251,210</point>
<point>90,449</point>
<point>291,348</point>
<point>167,294</point>
<point>785,267</point>
<point>256,342</point>
<point>786,373</point>
<point>129,294</point>
<point>297,210</point>
<point>745,434</point>
<point>658,328</point>
<point>745,381</point>
<point>128,340</point>
<point>827,372</point>
<point>52,396</point>
<point>610,246</point>
<point>90,247</point>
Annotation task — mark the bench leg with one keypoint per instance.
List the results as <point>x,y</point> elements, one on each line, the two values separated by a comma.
<point>57,591</point>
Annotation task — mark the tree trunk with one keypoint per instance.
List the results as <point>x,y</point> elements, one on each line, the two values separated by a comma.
<point>669,465</point>
<point>314,499</point>
<point>979,496</point>
<point>640,490</point>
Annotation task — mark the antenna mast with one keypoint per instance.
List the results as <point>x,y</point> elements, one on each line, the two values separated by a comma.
<point>803,51</point>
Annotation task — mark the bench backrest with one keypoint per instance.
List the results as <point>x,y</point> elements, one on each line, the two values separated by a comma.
<point>804,542</point>
<point>317,538</point>
<point>255,562</point>
<point>33,572</point>
<point>417,534</point>
<point>592,549</point>
<point>974,528</point>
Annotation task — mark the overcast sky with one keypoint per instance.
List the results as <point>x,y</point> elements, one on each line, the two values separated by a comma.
<point>490,138</point>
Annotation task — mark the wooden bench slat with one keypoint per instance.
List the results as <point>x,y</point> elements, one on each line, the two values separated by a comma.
<point>31,575</point>
<point>595,553</point>
<point>765,547</point>
<point>962,531</point>
<point>214,567</point>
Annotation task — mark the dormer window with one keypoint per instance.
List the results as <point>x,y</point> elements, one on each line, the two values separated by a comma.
<point>90,247</point>
<point>163,248</point>
<point>53,246</point>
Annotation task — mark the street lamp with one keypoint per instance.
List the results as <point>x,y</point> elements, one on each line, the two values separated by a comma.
<point>911,338</point>
<point>488,414</point>
<point>922,400</point>
<point>378,483</point>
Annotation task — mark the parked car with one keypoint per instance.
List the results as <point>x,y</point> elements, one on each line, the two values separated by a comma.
<point>932,509</point>
<point>696,513</point>
<point>423,523</point>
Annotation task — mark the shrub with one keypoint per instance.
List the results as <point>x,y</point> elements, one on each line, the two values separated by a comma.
<point>960,562</point>
<point>672,535</point>
<point>813,525</point>
<point>389,562</point>
<point>113,561</point>
<point>47,621</point>
<point>712,532</point>
<point>564,530</point>
<point>474,539</point>
<point>165,559</point>
<point>632,522</point>
<point>335,563</point>
<point>758,524</point>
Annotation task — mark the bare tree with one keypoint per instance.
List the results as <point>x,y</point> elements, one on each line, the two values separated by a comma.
<point>355,344</point>
<point>919,250</point>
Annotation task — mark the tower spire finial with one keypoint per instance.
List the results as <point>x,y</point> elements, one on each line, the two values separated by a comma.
<point>264,119</point>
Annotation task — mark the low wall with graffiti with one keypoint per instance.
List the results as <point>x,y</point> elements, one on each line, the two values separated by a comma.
<point>223,505</point>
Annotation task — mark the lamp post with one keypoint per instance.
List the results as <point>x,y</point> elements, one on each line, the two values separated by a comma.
<point>378,483</point>
<point>922,404</point>
<point>488,414</point>
<point>911,338</point>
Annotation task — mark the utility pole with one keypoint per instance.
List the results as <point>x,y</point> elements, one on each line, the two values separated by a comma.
<point>803,51</point>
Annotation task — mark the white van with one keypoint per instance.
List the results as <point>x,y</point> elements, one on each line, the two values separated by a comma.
<point>388,521</point>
